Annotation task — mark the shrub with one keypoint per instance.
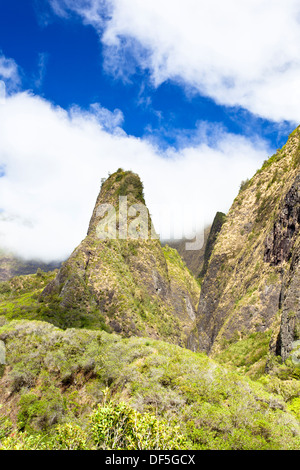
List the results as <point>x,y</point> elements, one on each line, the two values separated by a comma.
<point>20,378</point>
<point>23,441</point>
<point>120,427</point>
<point>5,287</point>
<point>40,413</point>
<point>244,184</point>
<point>5,426</point>
<point>69,437</point>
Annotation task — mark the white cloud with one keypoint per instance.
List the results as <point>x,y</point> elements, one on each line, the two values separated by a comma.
<point>9,72</point>
<point>240,53</point>
<point>54,162</point>
<point>109,120</point>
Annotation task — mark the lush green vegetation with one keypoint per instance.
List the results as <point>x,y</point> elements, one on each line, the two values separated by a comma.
<point>248,355</point>
<point>162,396</point>
<point>19,296</point>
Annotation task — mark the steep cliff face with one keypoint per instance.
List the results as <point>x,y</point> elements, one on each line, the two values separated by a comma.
<point>211,240</point>
<point>119,277</point>
<point>252,280</point>
<point>283,246</point>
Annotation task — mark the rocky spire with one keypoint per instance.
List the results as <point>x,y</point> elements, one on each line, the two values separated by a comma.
<point>120,278</point>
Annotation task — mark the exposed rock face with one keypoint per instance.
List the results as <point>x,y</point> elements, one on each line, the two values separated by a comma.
<point>282,248</point>
<point>252,280</point>
<point>211,240</point>
<point>290,307</point>
<point>131,286</point>
<point>279,243</point>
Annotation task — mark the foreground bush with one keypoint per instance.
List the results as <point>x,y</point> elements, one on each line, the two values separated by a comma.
<point>118,426</point>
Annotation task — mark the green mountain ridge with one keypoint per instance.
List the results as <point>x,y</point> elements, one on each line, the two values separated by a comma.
<point>194,259</point>
<point>252,280</point>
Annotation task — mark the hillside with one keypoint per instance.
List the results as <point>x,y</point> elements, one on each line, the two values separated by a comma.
<point>215,228</point>
<point>58,386</point>
<point>197,260</point>
<point>252,281</point>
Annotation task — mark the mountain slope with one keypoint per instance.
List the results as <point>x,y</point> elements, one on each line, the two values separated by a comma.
<point>125,284</point>
<point>252,280</point>
<point>55,378</point>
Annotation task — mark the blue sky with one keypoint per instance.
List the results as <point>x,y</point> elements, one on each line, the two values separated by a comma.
<point>188,94</point>
<point>62,60</point>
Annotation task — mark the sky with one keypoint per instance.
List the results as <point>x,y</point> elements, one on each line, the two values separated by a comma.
<point>191,95</point>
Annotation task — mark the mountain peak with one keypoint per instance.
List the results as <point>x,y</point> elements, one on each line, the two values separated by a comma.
<point>122,183</point>
<point>120,200</point>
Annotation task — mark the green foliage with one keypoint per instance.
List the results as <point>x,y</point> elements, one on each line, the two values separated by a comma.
<point>38,413</point>
<point>5,287</point>
<point>117,426</point>
<point>294,407</point>
<point>113,426</point>
<point>69,437</point>
<point>6,426</point>
<point>273,159</point>
<point>244,184</point>
<point>285,371</point>
<point>19,296</point>
<point>153,388</point>
<point>24,441</point>
<point>249,355</point>
<point>130,184</point>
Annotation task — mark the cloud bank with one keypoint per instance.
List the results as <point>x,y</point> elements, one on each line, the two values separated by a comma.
<point>52,163</point>
<point>239,53</point>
